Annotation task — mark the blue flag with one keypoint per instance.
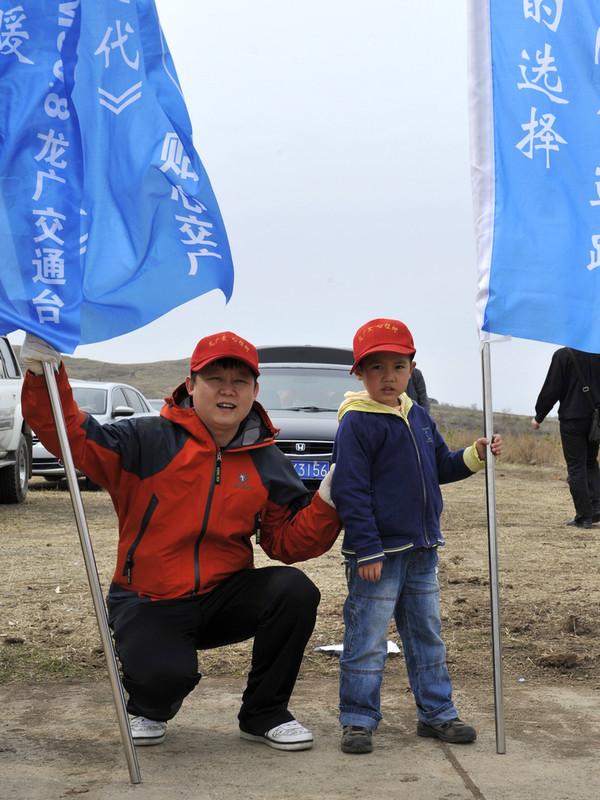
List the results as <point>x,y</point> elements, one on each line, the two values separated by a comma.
<point>107,216</point>
<point>535,113</point>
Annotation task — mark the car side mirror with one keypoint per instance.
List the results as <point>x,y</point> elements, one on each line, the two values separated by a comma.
<point>123,411</point>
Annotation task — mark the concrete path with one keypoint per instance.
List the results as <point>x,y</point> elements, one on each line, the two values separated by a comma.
<point>61,741</point>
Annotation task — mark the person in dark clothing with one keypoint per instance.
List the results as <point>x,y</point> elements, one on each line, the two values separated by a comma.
<point>417,390</point>
<point>563,385</point>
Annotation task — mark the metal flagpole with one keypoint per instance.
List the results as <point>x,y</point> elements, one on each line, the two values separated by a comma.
<point>490,483</point>
<point>92,574</point>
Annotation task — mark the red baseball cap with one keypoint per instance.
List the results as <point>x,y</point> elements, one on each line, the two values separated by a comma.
<point>224,345</point>
<point>381,335</point>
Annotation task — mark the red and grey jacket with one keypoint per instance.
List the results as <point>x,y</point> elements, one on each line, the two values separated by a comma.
<point>187,509</point>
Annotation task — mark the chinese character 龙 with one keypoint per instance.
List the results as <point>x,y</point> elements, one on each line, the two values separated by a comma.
<point>53,148</point>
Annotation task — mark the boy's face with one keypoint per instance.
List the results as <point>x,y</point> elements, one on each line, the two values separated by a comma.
<point>385,376</point>
<point>222,397</point>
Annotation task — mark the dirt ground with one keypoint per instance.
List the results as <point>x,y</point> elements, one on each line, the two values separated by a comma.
<point>550,593</point>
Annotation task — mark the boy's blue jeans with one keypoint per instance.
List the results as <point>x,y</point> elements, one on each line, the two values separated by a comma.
<point>408,591</point>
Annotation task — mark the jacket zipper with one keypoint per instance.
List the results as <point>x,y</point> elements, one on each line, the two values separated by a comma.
<point>424,487</point>
<point>216,478</point>
<point>127,569</point>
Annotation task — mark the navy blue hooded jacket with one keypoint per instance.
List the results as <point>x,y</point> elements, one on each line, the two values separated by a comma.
<point>389,464</point>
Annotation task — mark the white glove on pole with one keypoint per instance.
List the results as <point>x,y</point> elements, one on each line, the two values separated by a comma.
<point>35,352</point>
<point>324,490</point>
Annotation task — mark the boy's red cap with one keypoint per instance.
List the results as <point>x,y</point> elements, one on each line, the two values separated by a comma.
<point>382,335</point>
<point>224,345</point>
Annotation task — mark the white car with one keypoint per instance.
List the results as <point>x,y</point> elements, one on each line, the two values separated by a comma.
<point>15,434</point>
<point>107,402</point>
<point>156,402</point>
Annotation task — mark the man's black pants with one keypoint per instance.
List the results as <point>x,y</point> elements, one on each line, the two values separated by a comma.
<point>157,642</point>
<point>582,466</point>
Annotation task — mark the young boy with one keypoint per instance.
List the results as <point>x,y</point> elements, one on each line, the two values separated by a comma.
<point>389,462</point>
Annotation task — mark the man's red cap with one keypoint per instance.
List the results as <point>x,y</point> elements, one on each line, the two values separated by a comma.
<point>382,335</point>
<point>224,345</point>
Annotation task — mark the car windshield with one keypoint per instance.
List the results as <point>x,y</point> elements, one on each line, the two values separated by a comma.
<point>91,400</point>
<point>304,388</point>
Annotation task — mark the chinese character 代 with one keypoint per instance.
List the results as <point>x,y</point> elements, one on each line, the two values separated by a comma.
<point>106,46</point>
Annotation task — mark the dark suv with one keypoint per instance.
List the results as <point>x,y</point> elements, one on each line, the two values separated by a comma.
<point>302,388</point>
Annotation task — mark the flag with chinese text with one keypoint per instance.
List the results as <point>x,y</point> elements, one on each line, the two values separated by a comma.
<point>535,124</point>
<point>107,217</point>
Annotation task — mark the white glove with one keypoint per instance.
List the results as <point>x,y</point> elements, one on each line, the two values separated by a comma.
<point>324,490</point>
<point>35,352</point>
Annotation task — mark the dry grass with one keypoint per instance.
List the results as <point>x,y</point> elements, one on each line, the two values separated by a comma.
<point>549,586</point>
<point>532,449</point>
<point>48,629</point>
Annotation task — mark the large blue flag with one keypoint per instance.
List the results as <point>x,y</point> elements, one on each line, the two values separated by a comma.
<point>535,112</point>
<point>107,216</point>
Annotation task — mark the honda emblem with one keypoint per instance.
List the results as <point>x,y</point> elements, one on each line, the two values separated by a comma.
<point>300,447</point>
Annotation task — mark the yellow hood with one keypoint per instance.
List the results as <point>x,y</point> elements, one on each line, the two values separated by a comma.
<point>360,401</point>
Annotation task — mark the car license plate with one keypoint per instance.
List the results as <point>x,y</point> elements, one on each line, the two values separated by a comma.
<point>311,470</point>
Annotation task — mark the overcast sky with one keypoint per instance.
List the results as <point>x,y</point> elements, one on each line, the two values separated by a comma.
<point>335,135</point>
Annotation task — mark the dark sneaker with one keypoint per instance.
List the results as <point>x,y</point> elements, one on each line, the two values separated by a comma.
<point>287,736</point>
<point>455,731</point>
<point>595,517</point>
<point>581,522</point>
<point>146,732</point>
<point>357,739</point>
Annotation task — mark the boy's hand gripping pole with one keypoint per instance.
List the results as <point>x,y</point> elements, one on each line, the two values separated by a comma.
<point>92,574</point>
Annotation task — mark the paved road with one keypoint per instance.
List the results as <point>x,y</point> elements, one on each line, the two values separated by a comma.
<point>61,741</point>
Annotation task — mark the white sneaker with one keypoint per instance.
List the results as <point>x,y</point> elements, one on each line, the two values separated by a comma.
<point>146,732</point>
<point>288,736</point>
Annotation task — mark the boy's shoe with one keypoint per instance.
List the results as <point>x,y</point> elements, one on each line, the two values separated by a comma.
<point>454,731</point>
<point>357,739</point>
<point>581,522</point>
<point>287,736</point>
<point>146,732</point>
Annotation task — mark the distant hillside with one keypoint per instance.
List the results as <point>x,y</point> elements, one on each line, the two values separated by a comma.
<point>468,419</point>
<point>156,379</point>
<point>159,378</point>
